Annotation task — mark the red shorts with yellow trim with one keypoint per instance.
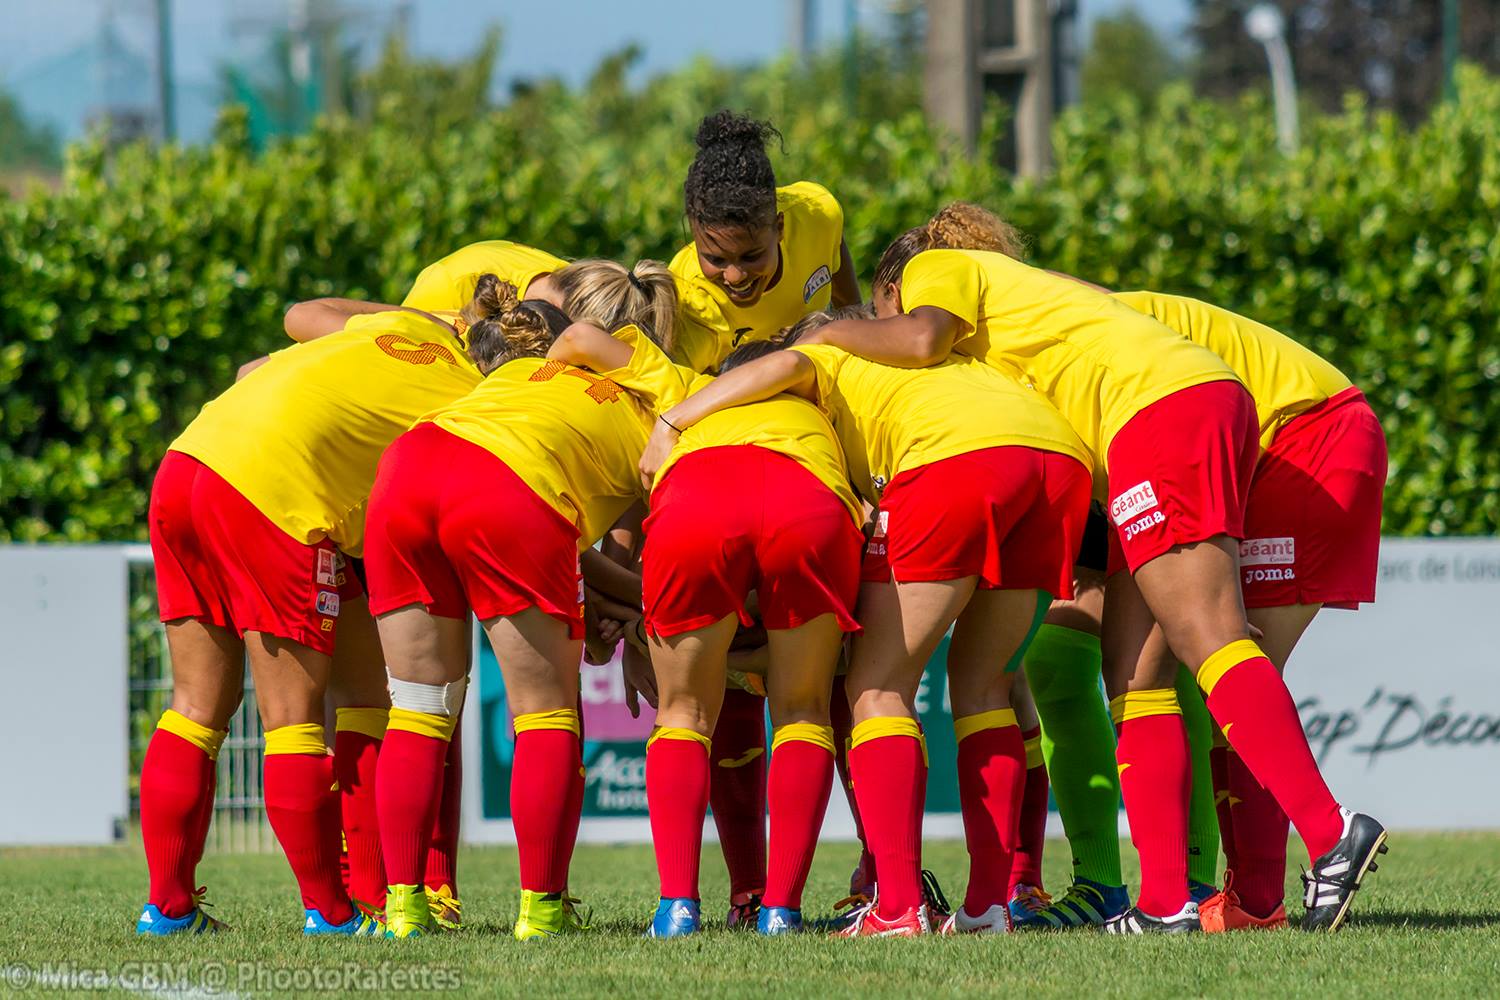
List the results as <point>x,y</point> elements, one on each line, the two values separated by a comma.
<point>1312,530</point>
<point>452,528</point>
<point>220,561</point>
<point>1179,472</point>
<point>1012,516</point>
<point>730,520</point>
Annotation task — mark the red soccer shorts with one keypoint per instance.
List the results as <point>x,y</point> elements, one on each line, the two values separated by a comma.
<point>220,561</point>
<point>452,528</point>
<point>730,520</point>
<point>1012,516</point>
<point>1312,529</point>
<point>1179,472</point>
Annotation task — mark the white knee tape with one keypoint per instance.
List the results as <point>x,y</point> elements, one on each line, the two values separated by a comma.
<point>434,699</point>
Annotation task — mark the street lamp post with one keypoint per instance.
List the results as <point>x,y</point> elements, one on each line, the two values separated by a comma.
<point>1267,26</point>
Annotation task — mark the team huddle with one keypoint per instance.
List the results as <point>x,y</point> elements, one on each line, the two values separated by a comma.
<point>776,497</point>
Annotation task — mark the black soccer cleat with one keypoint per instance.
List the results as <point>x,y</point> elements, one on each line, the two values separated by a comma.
<point>1133,921</point>
<point>1328,889</point>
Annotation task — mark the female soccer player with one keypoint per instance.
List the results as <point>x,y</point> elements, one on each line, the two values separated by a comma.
<point>979,520</point>
<point>249,512</point>
<point>762,257</point>
<point>1175,433</point>
<point>550,447</point>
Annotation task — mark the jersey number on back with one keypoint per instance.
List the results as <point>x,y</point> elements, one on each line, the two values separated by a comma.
<point>413,353</point>
<point>601,390</point>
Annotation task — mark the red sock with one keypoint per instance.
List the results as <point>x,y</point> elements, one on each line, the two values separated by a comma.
<point>991,782</point>
<point>1026,866</point>
<point>176,793</point>
<point>542,782</point>
<point>890,780</point>
<point>205,817</point>
<point>1218,762</point>
<point>304,814</point>
<point>1155,785</point>
<point>677,797</point>
<point>843,727</point>
<point>408,788</point>
<point>737,790</point>
<point>1260,831</point>
<point>801,780</point>
<point>354,762</point>
<point>1250,702</point>
<point>441,865</point>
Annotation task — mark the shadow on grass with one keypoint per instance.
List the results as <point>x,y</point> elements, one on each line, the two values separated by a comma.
<point>1424,920</point>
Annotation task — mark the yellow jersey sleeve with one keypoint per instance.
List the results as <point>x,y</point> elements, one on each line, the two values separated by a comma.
<point>953,284</point>
<point>301,436</point>
<point>1284,377</point>
<point>651,374</point>
<point>448,284</point>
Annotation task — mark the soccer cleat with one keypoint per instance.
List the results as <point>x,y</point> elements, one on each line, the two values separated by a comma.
<point>995,920</point>
<point>868,923</point>
<point>548,914</point>
<point>1329,888</point>
<point>1026,900</point>
<point>1133,921</point>
<point>1222,912</point>
<point>674,918</point>
<point>407,912</point>
<point>447,914</point>
<point>361,924</point>
<point>1086,904</point>
<point>932,895</point>
<point>744,911</point>
<point>774,921</point>
<point>1198,892</point>
<point>856,905</point>
<point>154,923</point>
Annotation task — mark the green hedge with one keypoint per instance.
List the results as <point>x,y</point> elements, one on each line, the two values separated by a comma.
<point>128,297</point>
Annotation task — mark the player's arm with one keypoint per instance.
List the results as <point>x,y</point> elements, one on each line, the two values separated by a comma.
<point>588,346</point>
<point>845,279</point>
<point>316,318</point>
<point>916,339</point>
<point>618,583</point>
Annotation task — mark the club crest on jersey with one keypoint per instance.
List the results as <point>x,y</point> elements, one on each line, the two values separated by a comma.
<point>1268,552</point>
<point>328,603</point>
<point>1132,503</point>
<point>327,568</point>
<point>820,277</point>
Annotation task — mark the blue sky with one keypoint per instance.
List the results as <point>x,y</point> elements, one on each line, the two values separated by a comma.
<point>47,46</point>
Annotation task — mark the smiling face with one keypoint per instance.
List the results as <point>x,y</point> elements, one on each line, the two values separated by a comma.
<point>741,260</point>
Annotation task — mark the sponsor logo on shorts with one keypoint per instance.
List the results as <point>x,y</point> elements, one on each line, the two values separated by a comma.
<point>1268,552</point>
<point>1132,503</point>
<point>327,568</point>
<point>1272,574</point>
<point>819,278</point>
<point>1148,521</point>
<point>328,603</point>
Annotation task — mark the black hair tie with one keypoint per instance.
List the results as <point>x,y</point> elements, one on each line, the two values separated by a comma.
<point>639,285</point>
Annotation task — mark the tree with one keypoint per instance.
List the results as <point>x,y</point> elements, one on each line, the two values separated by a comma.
<point>1391,51</point>
<point>1126,55</point>
<point>23,144</point>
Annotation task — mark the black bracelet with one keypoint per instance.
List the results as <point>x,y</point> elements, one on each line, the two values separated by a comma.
<point>669,423</point>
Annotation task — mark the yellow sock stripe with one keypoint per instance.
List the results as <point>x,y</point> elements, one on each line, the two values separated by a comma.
<point>439,727</point>
<point>803,732</point>
<point>678,733</point>
<point>304,737</point>
<point>968,725</point>
<point>1220,663</point>
<point>1140,704</point>
<point>199,735</point>
<point>561,718</point>
<point>886,725</point>
<point>369,721</point>
<point>1034,753</point>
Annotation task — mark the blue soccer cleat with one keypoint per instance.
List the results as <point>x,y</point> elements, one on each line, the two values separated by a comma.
<point>154,923</point>
<point>1201,892</point>
<point>777,920</point>
<point>1086,904</point>
<point>359,925</point>
<point>674,918</point>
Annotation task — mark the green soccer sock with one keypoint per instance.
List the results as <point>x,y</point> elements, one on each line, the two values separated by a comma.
<point>1078,744</point>
<point>1203,821</point>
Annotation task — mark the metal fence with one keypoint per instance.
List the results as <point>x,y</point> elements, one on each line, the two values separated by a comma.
<point>239,824</point>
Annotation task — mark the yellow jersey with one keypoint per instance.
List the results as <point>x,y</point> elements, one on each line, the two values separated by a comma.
<point>710,325</point>
<point>1097,360</point>
<point>890,420</point>
<point>447,285</point>
<point>1284,377</point>
<point>572,436</point>
<point>788,425</point>
<point>300,436</point>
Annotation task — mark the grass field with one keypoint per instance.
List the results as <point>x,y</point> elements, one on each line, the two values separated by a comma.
<point>1427,924</point>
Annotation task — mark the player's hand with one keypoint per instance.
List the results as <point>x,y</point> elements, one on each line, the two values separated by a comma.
<point>597,650</point>
<point>663,440</point>
<point>640,679</point>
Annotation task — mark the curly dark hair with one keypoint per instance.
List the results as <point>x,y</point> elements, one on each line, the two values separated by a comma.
<point>731,182</point>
